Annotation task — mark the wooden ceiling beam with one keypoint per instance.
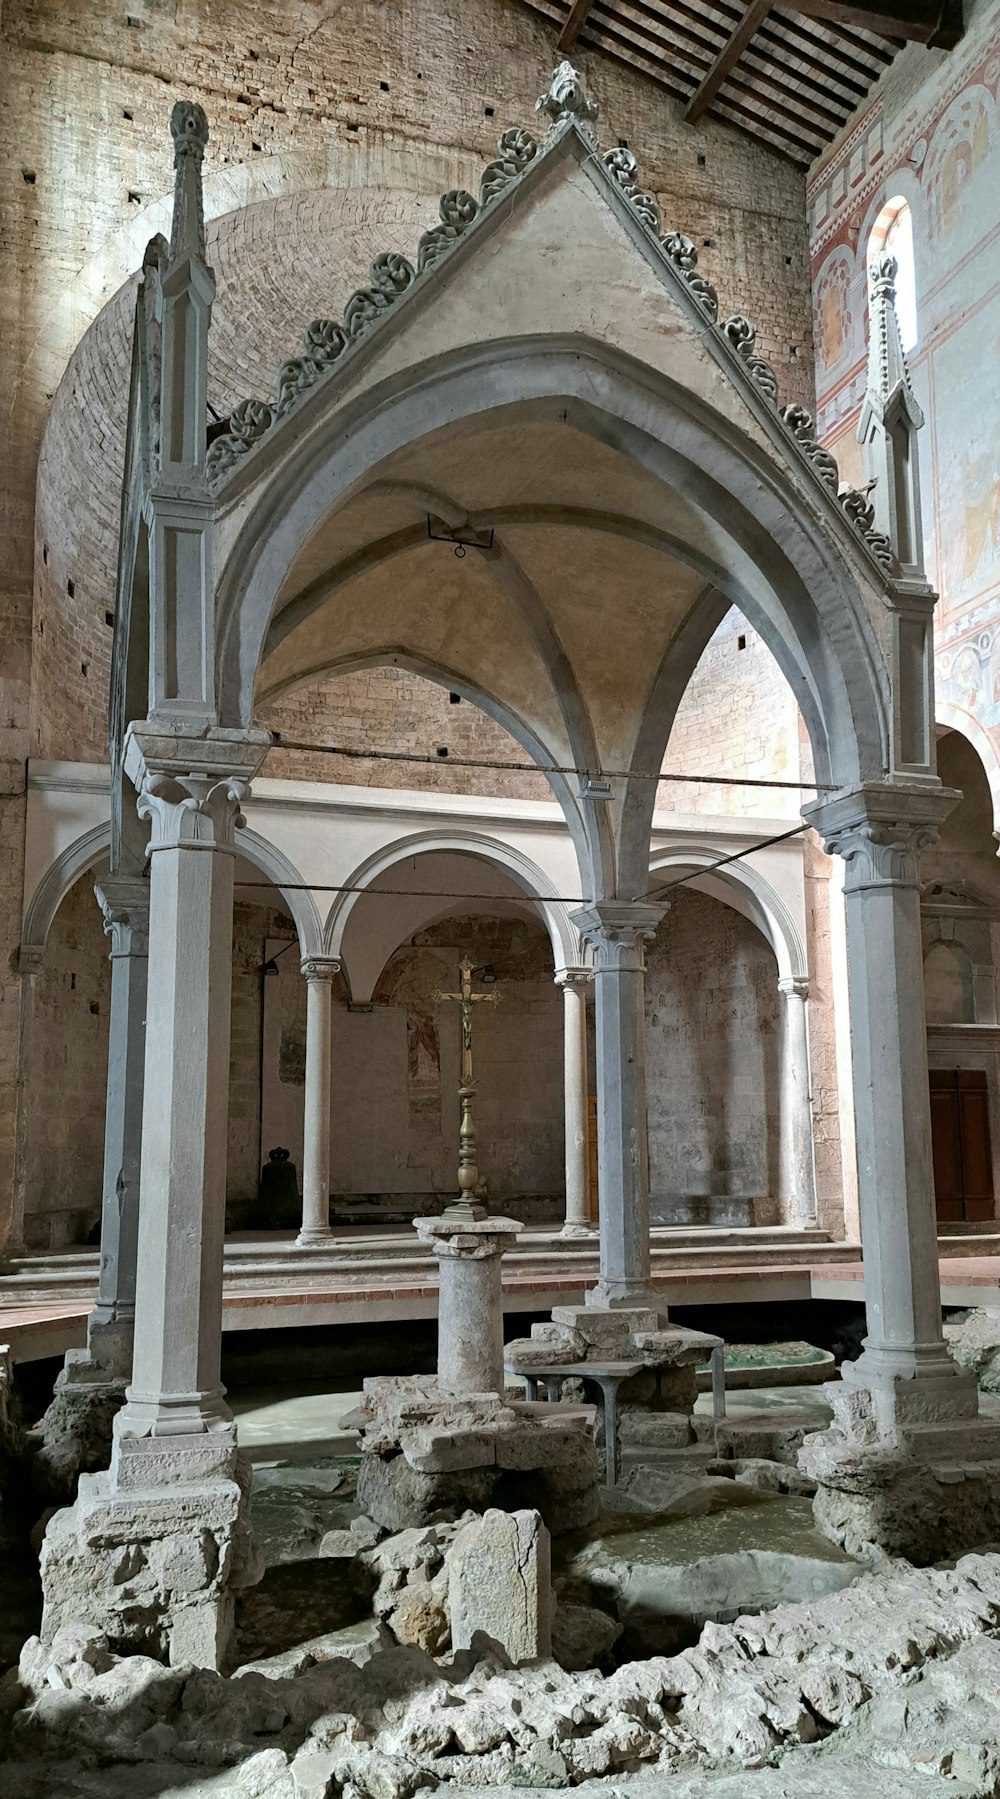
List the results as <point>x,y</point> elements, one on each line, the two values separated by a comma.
<point>728,57</point>
<point>937,23</point>
<point>573,26</point>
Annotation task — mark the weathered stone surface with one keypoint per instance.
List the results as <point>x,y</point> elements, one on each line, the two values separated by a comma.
<point>867,1498</point>
<point>74,1434</point>
<point>673,1346</point>
<point>974,1341</point>
<point>762,1475</point>
<point>548,1343</point>
<point>499,1584</point>
<point>902,1667</point>
<point>157,1572</point>
<point>398,1496</point>
<point>683,1493</point>
<point>582,1636</point>
<point>432,1451</point>
<point>768,1436</point>
<point>604,1331</point>
<point>654,1430</point>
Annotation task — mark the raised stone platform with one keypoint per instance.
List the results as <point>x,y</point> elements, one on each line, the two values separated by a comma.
<point>427,1454</point>
<point>269,1284</point>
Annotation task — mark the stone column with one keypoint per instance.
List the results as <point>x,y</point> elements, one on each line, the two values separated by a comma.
<point>124,902</point>
<point>176,1390</point>
<point>319,973</point>
<point>154,1549</point>
<point>905,1375</point>
<point>470,1300</point>
<point>798,1181</point>
<point>574,983</point>
<point>76,1429</point>
<point>617,931</point>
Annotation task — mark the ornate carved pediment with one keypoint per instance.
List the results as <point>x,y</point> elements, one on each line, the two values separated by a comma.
<point>331,343</point>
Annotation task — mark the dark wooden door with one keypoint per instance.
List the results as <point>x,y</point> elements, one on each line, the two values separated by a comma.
<point>960,1134</point>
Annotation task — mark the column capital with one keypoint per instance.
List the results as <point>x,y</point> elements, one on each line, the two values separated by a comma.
<point>192,788</point>
<point>573,977</point>
<point>320,968</point>
<point>882,831</point>
<point>617,929</point>
<point>31,958</point>
<point>124,902</point>
<point>794,983</point>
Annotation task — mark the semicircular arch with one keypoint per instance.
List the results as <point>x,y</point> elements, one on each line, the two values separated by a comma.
<point>534,883</point>
<point>749,892</point>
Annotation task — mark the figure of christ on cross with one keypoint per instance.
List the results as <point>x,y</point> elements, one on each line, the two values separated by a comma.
<point>468,1172</point>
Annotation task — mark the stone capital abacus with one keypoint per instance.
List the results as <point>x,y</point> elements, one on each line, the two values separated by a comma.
<point>797,984</point>
<point>881,832</point>
<point>320,968</point>
<point>124,903</point>
<point>579,978</point>
<point>192,788</point>
<point>617,930</point>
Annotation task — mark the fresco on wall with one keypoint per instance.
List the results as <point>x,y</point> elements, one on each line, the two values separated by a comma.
<point>939,147</point>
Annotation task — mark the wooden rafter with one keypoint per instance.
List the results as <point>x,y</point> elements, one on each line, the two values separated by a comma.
<point>727,58</point>
<point>573,26</point>
<point>936,22</point>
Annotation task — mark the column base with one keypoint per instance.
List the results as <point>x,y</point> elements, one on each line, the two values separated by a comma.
<point>572,1229</point>
<point>906,1465</point>
<point>614,1296</point>
<point>320,1239</point>
<point>156,1571</point>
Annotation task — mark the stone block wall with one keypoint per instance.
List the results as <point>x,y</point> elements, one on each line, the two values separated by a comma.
<point>711,1066</point>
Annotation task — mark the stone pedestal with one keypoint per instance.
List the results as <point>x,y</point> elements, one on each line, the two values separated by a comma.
<point>157,1570</point>
<point>617,931</point>
<point>470,1300</point>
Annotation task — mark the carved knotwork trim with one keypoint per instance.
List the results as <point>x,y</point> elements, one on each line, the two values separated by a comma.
<point>680,251</point>
<point>742,336</point>
<point>623,169</point>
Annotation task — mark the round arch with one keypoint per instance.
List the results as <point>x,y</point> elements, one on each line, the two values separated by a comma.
<point>790,578</point>
<point>567,950</point>
<point>93,846</point>
<point>954,718</point>
<point>749,892</point>
<point>497,710</point>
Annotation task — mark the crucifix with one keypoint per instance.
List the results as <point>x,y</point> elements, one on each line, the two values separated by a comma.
<point>465,1209</point>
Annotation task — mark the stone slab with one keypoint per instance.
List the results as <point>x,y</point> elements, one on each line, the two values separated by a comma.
<point>499,1585</point>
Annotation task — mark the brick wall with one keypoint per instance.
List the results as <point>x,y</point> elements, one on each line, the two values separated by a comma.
<point>372,98</point>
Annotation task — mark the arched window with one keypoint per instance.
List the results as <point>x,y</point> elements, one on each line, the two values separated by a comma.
<point>893,231</point>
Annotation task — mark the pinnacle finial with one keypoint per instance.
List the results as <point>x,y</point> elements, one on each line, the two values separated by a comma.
<point>189,130</point>
<point>887,370</point>
<point>567,97</point>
